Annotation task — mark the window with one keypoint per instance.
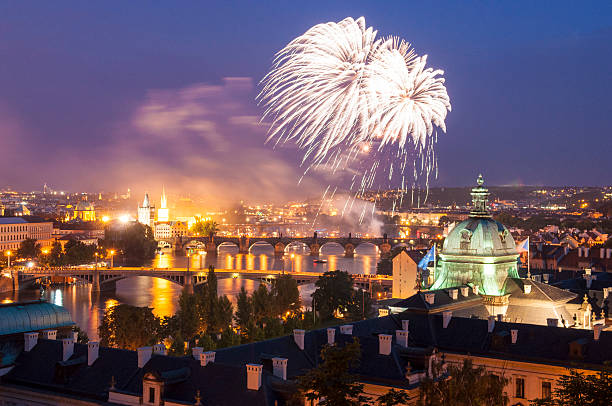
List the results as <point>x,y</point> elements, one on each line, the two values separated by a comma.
<point>520,388</point>
<point>546,389</point>
<point>151,395</point>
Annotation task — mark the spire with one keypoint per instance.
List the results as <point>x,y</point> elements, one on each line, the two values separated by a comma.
<point>145,202</point>
<point>163,198</point>
<point>480,199</point>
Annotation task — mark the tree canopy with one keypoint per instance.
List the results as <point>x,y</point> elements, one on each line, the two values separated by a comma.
<point>578,389</point>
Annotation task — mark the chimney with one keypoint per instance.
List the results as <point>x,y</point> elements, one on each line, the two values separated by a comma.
<point>401,337</point>
<point>207,357</point>
<point>606,292</point>
<point>67,348</point>
<point>446,318</point>
<point>30,341</point>
<point>384,344</point>
<point>490,324</point>
<point>159,349</point>
<point>465,291</point>
<point>500,317</point>
<point>514,334</point>
<point>279,368</point>
<point>453,293</point>
<point>331,335</point>
<point>476,289</point>
<point>196,352</point>
<point>49,334</point>
<point>253,376</point>
<point>383,312</point>
<point>405,324</point>
<point>75,336</point>
<point>579,252</point>
<point>93,350</point>
<point>430,298</point>
<point>552,322</point>
<point>526,288</point>
<point>346,329</point>
<point>602,253</point>
<point>144,355</point>
<point>545,276</point>
<point>597,331</point>
<point>298,337</point>
<point>608,253</point>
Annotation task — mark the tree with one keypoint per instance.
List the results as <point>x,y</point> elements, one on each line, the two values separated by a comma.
<point>128,327</point>
<point>577,389</point>
<point>76,253</point>
<point>28,249</point>
<point>331,382</point>
<point>262,303</point>
<point>207,228</point>
<point>334,293</point>
<point>136,242</point>
<point>285,295</point>
<point>187,315</point>
<point>462,385</point>
<point>55,257</point>
<point>360,305</point>
<point>244,312</point>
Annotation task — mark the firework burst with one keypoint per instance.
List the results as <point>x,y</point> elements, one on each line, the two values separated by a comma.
<point>348,99</point>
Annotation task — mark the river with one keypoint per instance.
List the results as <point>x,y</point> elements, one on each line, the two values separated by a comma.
<point>87,309</point>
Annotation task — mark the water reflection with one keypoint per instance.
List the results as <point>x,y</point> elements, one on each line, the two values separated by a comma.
<point>87,308</point>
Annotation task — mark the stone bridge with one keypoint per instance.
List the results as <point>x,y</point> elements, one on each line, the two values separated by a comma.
<point>106,278</point>
<point>280,244</point>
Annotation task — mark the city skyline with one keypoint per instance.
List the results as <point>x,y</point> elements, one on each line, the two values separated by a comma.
<point>168,104</point>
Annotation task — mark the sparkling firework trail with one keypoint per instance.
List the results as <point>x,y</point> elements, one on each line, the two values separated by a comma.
<point>356,103</point>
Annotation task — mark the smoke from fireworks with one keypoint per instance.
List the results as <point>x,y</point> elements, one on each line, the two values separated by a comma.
<point>349,99</point>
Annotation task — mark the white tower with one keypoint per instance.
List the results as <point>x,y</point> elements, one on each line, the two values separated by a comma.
<point>162,212</point>
<point>146,212</point>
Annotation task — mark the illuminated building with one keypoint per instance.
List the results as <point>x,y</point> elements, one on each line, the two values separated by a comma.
<point>478,250</point>
<point>476,276</point>
<point>14,230</point>
<point>146,212</point>
<point>162,212</point>
<point>84,211</point>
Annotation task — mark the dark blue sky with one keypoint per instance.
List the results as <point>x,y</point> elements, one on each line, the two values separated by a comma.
<point>530,82</point>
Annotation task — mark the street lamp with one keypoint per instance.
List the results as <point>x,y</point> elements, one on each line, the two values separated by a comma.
<point>8,254</point>
<point>111,253</point>
<point>292,261</point>
<point>96,255</point>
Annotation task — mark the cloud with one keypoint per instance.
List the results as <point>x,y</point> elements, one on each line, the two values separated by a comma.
<point>208,140</point>
<point>204,140</point>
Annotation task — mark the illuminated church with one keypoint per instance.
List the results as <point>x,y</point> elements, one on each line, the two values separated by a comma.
<point>84,211</point>
<point>146,212</point>
<point>476,275</point>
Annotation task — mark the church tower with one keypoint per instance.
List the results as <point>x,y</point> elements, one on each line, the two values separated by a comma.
<point>162,212</point>
<point>146,212</point>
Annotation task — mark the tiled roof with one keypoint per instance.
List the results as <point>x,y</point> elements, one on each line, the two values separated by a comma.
<point>32,316</point>
<point>219,384</point>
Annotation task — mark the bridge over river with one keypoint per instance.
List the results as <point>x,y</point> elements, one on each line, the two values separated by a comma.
<point>281,243</point>
<point>106,278</point>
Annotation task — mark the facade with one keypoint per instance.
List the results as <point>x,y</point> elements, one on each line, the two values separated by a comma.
<point>405,274</point>
<point>163,231</point>
<point>14,230</point>
<point>84,211</point>
<point>146,212</point>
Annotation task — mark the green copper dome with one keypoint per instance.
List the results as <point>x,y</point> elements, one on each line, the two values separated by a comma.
<point>478,251</point>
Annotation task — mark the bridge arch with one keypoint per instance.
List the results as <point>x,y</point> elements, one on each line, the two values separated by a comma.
<point>262,245</point>
<point>297,247</point>
<point>332,248</point>
<point>164,244</point>
<point>195,244</point>
<point>366,248</point>
<point>228,246</point>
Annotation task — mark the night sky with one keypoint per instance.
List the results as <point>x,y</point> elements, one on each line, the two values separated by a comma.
<point>134,94</point>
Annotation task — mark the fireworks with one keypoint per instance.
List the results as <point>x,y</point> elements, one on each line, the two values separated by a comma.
<point>341,94</point>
